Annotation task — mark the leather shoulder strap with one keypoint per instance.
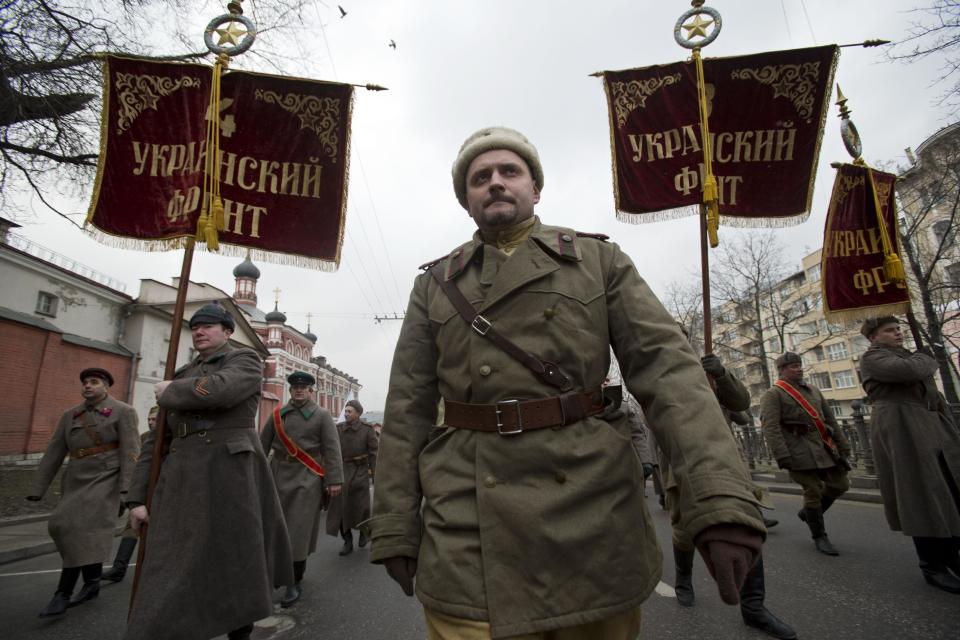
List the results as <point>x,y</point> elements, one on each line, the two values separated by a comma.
<point>547,372</point>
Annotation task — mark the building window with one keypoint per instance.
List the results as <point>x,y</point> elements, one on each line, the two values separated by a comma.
<point>813,273</point>
<point>47,304</point>
<point>843,379</point>
<point>943,232</point>
<point>835,407</point>
<point>837,351</point>
<point>820,380</point>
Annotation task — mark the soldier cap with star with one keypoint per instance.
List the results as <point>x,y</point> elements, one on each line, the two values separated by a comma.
<point>97,372</point>
<point>212,313</point>
<point>788,358</point>
<point>301,378</point>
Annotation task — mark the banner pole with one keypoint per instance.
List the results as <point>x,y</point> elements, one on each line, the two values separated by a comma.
<point>705,277</point>
<point>160,429</point>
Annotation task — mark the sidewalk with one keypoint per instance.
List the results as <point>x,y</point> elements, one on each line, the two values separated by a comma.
<point>26,536</point>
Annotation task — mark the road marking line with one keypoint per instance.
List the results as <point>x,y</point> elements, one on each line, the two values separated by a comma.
<point>35,573</point>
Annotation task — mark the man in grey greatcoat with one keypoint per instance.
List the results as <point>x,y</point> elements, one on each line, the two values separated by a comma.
<point>358,445</point>
<point>520,512</point>
<point>217,543</point>
<point>916,450</point>
<point>306,464</point>
<point>806,440</point>
<point>101,437</point>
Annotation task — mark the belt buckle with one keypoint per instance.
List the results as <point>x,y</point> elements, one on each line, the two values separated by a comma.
<point>481,325</point>
<point>499,413</point>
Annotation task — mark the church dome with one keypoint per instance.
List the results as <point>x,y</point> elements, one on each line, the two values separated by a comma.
<point>276,315</point>
<point>246,269</point>
<point>310,336</point>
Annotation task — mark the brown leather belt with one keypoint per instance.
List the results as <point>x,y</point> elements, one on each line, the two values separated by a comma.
<point>357,459</point>
<point>512,417</point>
<point>797,429</point>
<point>83,452</point>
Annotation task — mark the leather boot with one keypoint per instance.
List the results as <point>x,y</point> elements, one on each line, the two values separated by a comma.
<point>56,606</point>
<point>124,552</point>
<point>939,577</point>
<point>347,543</point>
<point>291,595</point>
<point>814,520</point>
<point>825,503</point>
<point>684,586</point>
<point>243,633</point>
<point>931,553</point>
<point>754,613</point>
<point>89,591</point>
<point>770,523</point>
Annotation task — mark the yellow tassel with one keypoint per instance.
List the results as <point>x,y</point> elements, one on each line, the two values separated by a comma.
<point>219,220</point>
<point>713,223</point>
<point>202,223</point>
<point>893,268</point>
<point>210,237</point>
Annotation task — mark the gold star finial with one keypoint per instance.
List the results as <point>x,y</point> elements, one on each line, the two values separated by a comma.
<point>698,27</point>
<point>231,34</point>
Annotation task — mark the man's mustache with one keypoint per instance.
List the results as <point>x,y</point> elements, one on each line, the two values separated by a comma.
<point>499,198</point>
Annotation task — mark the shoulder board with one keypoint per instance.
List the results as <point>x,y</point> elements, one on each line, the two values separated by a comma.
<point>427,265</point>
<point>596,236</point>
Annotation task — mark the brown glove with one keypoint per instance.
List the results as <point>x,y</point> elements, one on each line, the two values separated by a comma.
<point>402,569</point>
<point>730,551</point>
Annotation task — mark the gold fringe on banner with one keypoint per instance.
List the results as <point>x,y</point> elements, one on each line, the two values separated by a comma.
<point>740,222</point>
<point>860,314</point>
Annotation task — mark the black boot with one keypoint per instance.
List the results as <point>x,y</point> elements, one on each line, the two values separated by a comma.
<point>754,613</point>
<point>770,523</point>
<point>91,584</point>
<point>243,633</point>
<point>826,502</point>
<point>814,520</point>
<point>347,543</point>
<point>684,586</point>
<point>56,606</point>
<point>935,572</point>
<point>363,539</point>
<point>291,595</point>
<point>119,569</point>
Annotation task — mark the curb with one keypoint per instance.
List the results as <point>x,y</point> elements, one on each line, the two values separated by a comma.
<point>24,553</point>
<point>15,520</point>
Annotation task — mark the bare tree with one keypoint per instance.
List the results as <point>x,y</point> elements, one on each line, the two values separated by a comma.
<point>50,80</point>
<point>684,301</point>
<point>929,199</point>
<point>935,32</point>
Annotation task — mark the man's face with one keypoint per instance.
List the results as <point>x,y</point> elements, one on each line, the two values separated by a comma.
<point>500,190</point>
<point>93,389</point>
<point>300,392</point>
<point>888,335</point>
<point>793,372</point>
<point>207,338</point>
<point>152,420</point>
<point>351,414</point>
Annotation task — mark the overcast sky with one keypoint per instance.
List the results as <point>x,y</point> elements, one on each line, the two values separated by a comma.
<point>459,66</point>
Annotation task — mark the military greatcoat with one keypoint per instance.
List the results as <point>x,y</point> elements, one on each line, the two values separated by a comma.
<point>780,414</point>
<point>92,486</point>
<point>217,544</point>
<point>916,444</point>
<point>358,444</point>
<point>300,489</point>
<point>546,529</point>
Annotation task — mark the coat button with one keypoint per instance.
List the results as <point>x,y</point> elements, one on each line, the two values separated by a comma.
<point>549,313</point>
<point>560,477</point>
<point>485,369</point>
<point>489,482</point>
<point>566,238</point>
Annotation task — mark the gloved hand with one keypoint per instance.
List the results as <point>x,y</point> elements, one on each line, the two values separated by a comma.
<point>784,463</point>
<point>34,498</point>
<point>647,470</point>
<point>730,551</point>
<point>402,569</point>
<point>712,365</point>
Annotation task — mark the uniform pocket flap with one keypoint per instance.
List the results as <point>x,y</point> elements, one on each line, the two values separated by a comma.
<point>239,446</point>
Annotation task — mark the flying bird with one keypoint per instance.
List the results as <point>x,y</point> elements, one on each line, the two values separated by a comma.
<point>392,45</point>
<point>343,14</point>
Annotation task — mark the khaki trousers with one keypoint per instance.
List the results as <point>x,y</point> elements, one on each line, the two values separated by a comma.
<point>623,626</point>
<point>821,483</point>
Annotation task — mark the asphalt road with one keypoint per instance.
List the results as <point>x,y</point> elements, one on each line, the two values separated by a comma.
<point>873,590</point>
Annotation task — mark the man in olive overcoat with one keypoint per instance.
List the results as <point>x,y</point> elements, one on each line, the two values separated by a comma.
<point>217,544</point>
<point>101,437</point>
<point>358,445</point>
<point>521,512</point>
<point>309,429</point>
<point>916,450</point>
<point>819,466</point>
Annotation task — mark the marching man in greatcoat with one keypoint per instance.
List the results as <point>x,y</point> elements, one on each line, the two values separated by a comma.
<point>806,440</point>
<point>217,543</point>
<point>101,437</point>
<point>306,465</point>
<point>916,450</point>
<point>358,445</point>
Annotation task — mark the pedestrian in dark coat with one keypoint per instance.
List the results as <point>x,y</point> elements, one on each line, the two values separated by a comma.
<point>217,545</point>
<point>916,450</point>
<point>101,437</point>
<point>358,445</point>
<point>306,446</point>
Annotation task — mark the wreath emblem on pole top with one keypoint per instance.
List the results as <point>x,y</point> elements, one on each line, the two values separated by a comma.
<point>707,28</point>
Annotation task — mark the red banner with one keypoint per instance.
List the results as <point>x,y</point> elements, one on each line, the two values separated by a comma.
<point>766,116</point>
<point>283,160</point>
<point>851,266</point>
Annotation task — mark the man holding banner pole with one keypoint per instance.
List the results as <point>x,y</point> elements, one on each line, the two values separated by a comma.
<point>300,435</point>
